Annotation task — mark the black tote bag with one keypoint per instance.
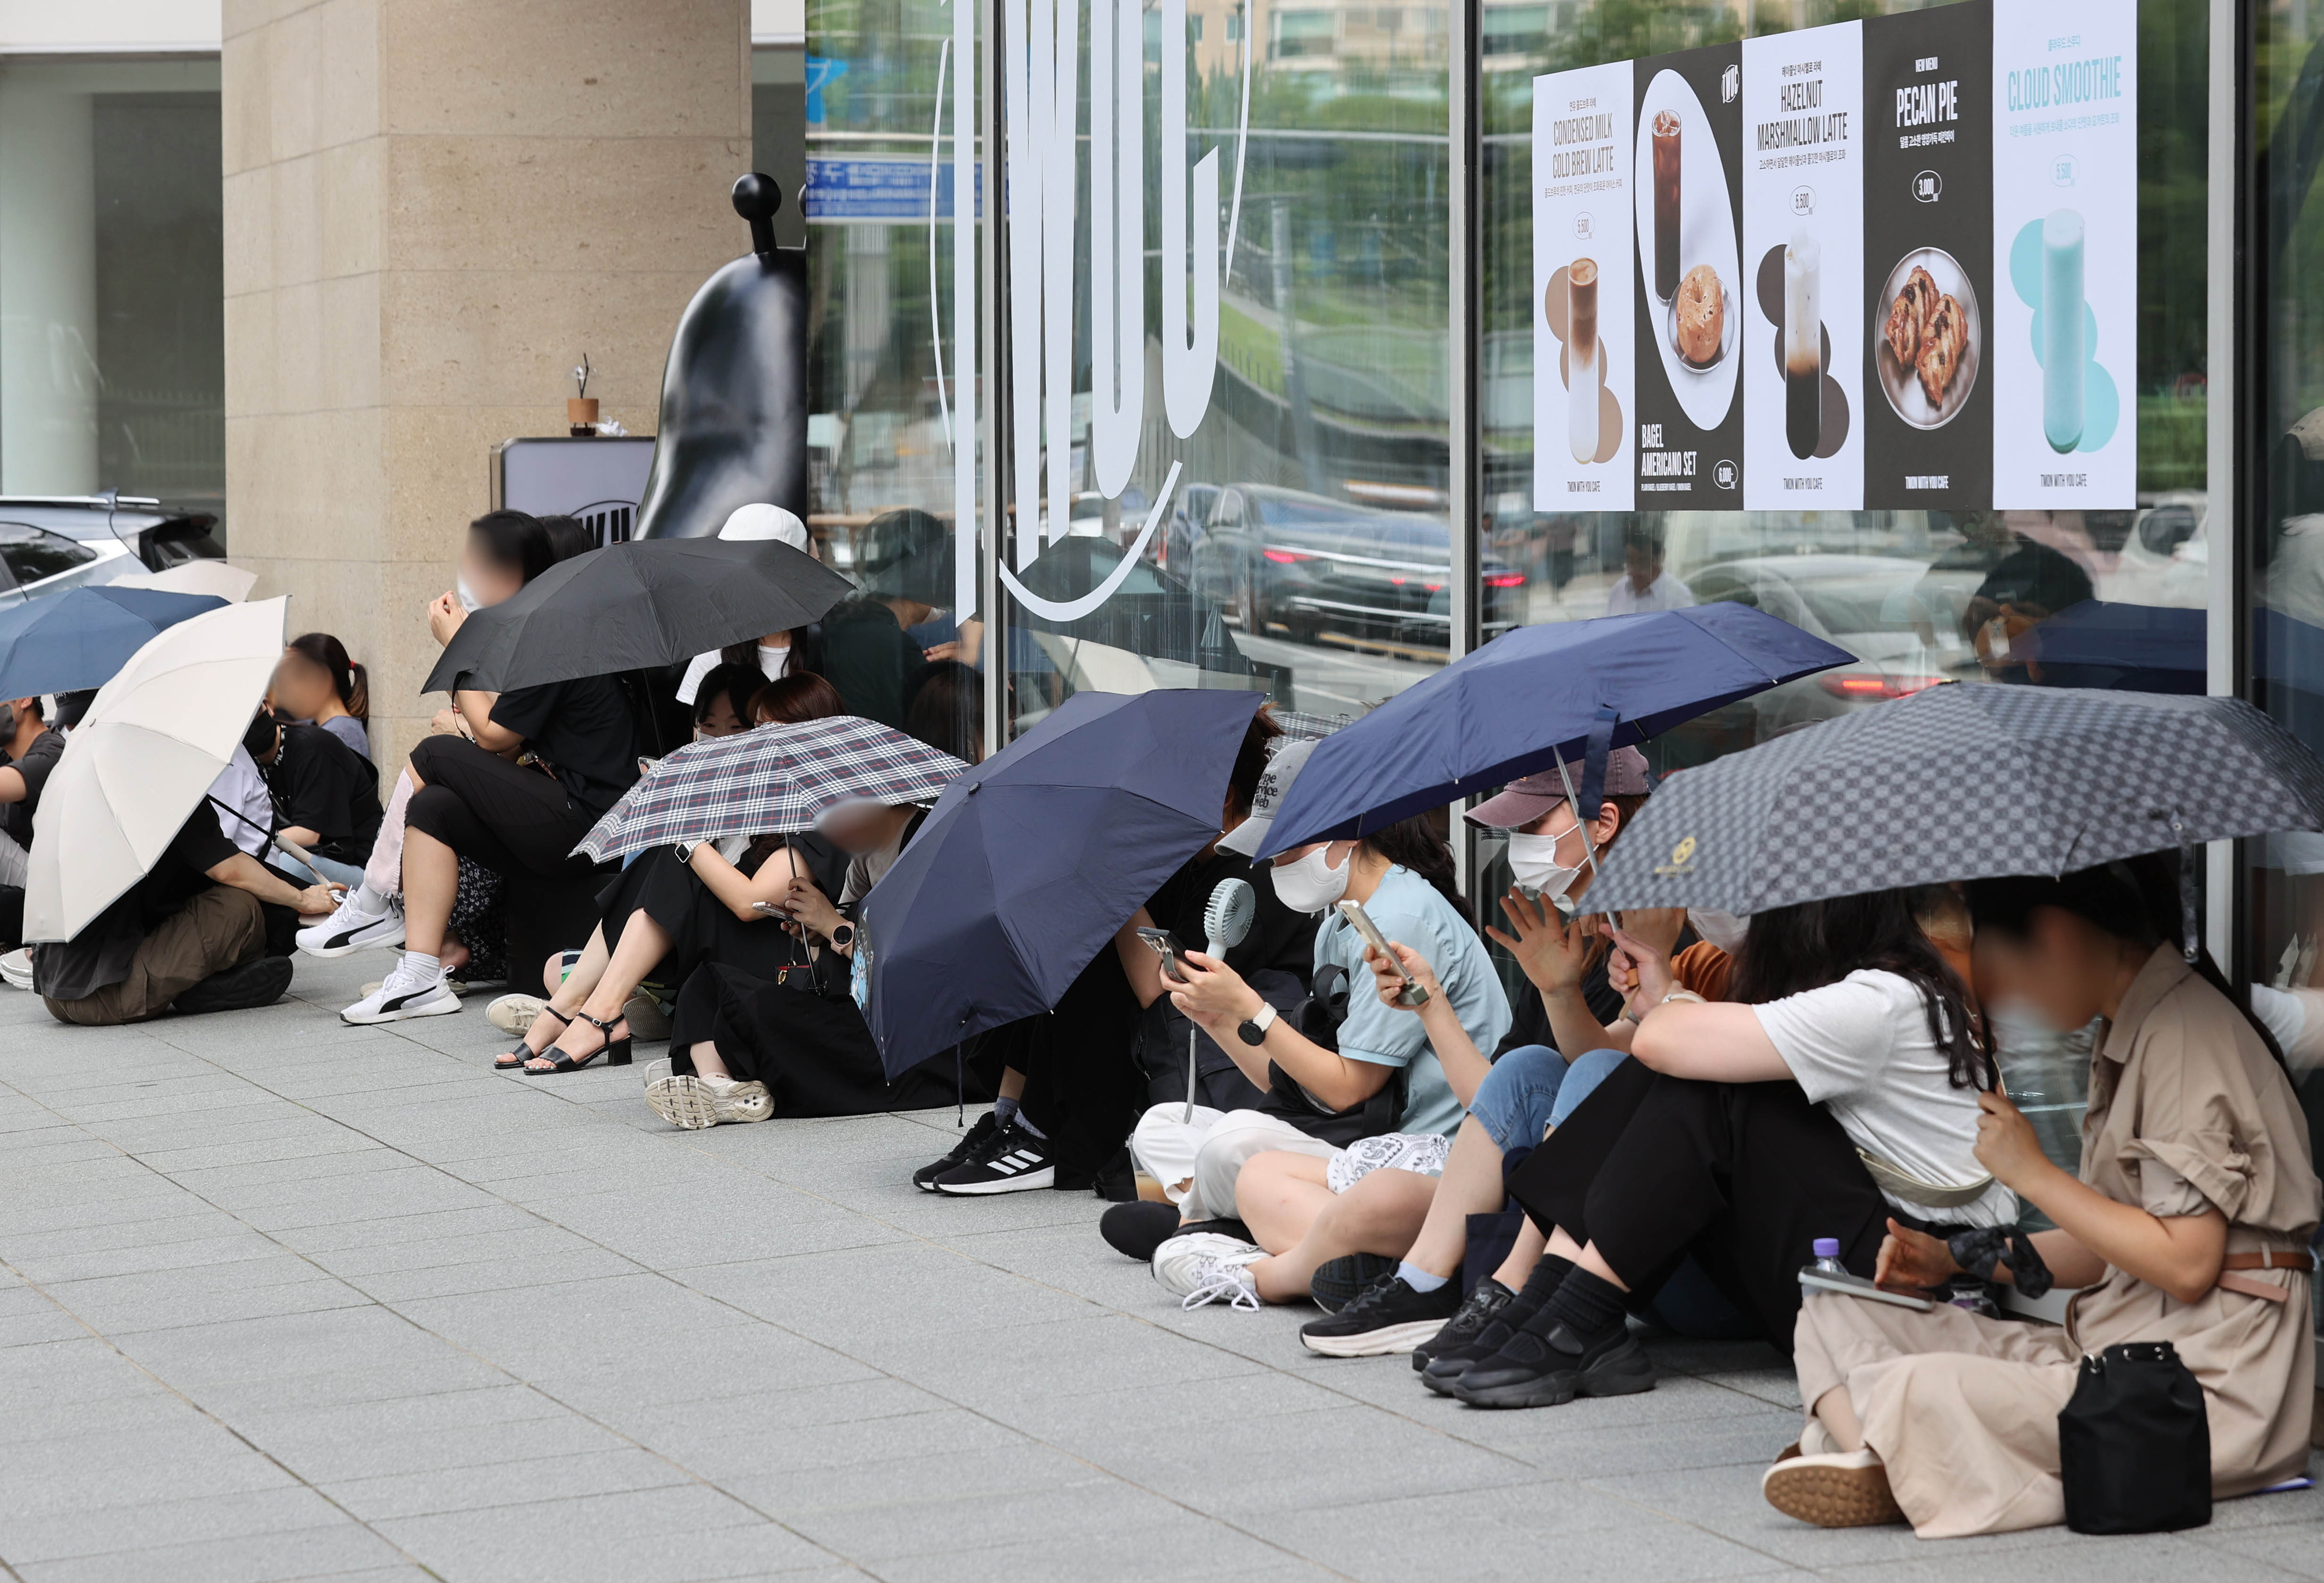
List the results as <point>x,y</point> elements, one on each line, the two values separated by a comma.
<point>2135,1444</point>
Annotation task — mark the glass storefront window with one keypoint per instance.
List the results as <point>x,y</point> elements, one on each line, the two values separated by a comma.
<point>112,337</point>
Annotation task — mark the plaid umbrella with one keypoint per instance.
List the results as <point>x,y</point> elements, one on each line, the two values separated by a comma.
<point>771,779</point>
<point>1962,782</point>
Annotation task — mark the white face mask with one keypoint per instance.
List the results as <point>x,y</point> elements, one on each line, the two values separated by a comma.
<point>1532,864</point>
<point>467,595</point>
<point>1723,930</point>
<point>1310,884</point>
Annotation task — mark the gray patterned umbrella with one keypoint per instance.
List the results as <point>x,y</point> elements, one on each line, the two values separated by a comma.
<point>1961,782</point>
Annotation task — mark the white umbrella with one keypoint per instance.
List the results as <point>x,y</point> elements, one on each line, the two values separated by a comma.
<point>143,758</point>
<point>230,583</point>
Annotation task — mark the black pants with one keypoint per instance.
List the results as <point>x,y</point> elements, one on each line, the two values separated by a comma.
<point>487,809</point>
<point>1084,1088</point>
<point>701,927</point>
<point>1744,1176</point>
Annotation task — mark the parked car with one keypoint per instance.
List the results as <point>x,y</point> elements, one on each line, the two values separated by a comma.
<point>51,542</point>
<point>1276,557</point>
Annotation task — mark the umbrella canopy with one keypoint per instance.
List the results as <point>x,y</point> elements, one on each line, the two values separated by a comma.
<point>143,758</point>
<point>80,638</point>
<point>1033,860</point>
<point>2098,643</point>
<point>636,605</point>
<point>1968,781</point>
<point>770,779</point>
<point>1531,698</point>
<point>230,583</point>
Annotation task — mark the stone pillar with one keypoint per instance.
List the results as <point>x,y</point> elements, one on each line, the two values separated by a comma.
<point>432,210</point>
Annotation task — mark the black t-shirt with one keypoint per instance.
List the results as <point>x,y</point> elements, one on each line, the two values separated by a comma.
<point>1278,938</point>
<point>319,783</point>
<point>582,728</point>
<point>867,656</point>
<point>100,953</point>
<point>16,817</point>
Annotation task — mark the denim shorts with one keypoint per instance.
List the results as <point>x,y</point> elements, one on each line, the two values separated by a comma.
<point>1532,1088</point>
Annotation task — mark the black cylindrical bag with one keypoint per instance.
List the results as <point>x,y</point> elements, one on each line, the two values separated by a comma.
<point>2135,1444</point>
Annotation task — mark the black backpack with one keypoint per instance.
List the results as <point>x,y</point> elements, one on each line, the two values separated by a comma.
<point>2134,1443</point>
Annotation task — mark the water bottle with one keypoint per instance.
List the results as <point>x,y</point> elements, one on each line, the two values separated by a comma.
<point>1827,1258</point>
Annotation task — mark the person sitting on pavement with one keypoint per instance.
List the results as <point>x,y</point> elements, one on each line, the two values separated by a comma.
<point>1416,1092</point>
<point>744,1046</point>
<point>1074,1080</point>
<point>190,932</point>
<point>317,684</point>
<point>721,704</point>
<point>30,751</point>
<point>2189,1225</point>
<point>1838,1090</point>
<point>772,654</point>
<point>470,798</point>
<point>326,796</point>
<point>667,914</point>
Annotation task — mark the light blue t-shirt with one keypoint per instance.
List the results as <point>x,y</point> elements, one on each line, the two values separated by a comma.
<point>1408,910</point>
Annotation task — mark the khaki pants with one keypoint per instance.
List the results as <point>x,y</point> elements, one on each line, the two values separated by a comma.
<point>218,928</point>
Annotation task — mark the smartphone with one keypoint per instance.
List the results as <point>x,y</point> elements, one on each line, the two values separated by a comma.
<point>1353,911</point>
<point>769,910</point>
<point>1166,947</point>
<point>1857,1286</point>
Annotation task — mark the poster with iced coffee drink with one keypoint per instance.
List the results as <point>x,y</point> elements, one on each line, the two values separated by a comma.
<point>1582,352</point>
<point>2065,254</point>
<point>1927,259</point>
<point>1804,262</point>
<point>1686,151</point>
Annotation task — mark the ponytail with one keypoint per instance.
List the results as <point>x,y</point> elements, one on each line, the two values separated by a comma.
<point>357,696</point>
<point>349,680</point>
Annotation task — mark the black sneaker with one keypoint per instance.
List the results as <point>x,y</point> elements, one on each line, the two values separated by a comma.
<point>253,984</point>
<point>1548,1365</point>
<point>1467,1323</point>
<point>1448,1362</point>
<point>982,1133</point>
<point>1012,1161</point>
<point>1388,1317</point>
<point>1339,1282</point>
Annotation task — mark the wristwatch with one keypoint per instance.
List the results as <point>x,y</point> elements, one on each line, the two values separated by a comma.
<point>684,850</point>
<point>843,935</point>
<point>1254,1030</point>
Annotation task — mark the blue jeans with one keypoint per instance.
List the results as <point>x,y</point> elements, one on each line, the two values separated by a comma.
<point>1532,1088</point>
<point>349,874</point>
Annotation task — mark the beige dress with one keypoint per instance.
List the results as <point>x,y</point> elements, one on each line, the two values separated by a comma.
<point>2188,1112</point>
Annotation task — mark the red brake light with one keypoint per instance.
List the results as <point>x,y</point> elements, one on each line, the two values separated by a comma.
<point>1860,686</point>
<point>1506,579</point>
<point>1284,557</point>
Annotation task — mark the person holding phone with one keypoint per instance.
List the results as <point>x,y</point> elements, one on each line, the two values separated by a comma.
<point>1402,877</point>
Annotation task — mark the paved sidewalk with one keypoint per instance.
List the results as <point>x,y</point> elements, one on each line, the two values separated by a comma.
<point>280,1299</point>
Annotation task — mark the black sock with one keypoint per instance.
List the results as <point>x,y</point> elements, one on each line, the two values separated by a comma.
<point>1587,1306</point>
<point>1547,1276</point>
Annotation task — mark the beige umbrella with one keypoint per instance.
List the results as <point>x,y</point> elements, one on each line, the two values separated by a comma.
<point>143,758</point>
<point>230,583</point>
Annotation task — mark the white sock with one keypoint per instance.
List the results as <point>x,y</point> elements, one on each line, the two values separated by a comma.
<point>423,965</point>
<point>1418,1279</point>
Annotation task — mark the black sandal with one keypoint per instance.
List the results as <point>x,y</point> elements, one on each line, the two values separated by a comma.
<point>616,1052</point>
<point>514,1060</point>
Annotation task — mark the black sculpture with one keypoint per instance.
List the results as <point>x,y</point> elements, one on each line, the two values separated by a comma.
<point>734,394</point>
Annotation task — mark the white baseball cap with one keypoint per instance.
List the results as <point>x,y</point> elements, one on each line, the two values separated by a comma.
<point>1274,785</point>
<point>759,520</point>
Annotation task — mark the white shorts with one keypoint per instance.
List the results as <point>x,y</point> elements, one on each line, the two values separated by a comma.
<point>1198,1162</point>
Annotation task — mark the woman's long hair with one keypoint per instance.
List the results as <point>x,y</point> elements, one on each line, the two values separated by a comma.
<point>791,701</point>
<point>1811,944</point>
<point>1415,844</point>
<point>348,680</point>
<point>2135,900</point>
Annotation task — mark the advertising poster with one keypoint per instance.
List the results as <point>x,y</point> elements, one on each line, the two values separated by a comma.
<point>1583,351</point>
<point>2065,254</point>
<point>1686,204</point>
<point>1802,352</point>
<point>1927,259</point>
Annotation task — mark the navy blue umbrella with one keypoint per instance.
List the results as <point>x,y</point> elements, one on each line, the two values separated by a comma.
<point>2137,648</point>
<point>1533,697</point>
<point>1029,862</point>
<point>81,638</point>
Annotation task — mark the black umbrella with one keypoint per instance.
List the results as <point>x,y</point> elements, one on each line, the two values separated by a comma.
<point>1962,782</point>
<point>635,606</point>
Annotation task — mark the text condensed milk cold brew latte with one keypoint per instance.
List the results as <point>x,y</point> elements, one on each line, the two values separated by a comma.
<point>1666,204</point>
<point>1803,345</point>
<point>1583,359</point>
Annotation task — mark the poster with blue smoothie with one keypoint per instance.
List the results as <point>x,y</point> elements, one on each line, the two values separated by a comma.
<point>2065,256</point>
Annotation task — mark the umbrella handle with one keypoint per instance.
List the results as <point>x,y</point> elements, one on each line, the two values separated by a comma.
<point>1190,1075</point>
<point>297,855</point>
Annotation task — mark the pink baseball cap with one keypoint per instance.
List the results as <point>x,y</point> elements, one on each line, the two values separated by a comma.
<point>1520,802</point>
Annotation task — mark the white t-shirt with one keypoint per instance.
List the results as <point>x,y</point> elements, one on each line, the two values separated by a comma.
<point>1861,1048</point>
<point>240,787</point>
<point>771,665</point>
<point>1664,593</point>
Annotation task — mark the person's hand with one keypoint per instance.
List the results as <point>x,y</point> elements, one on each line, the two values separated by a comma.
<point>1551,952</point>
<point>1213,995</point>
<point>445,617</point>
<point>809,907</point>
<point>1388,977</point>
<point>1913,1261</point>
<point>936,654</point>
<point>1642,971</point>
<point>446,723</point>
<point>2005,1143</point>
<point>318,902</point>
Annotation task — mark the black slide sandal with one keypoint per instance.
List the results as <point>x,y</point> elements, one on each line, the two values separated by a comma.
<point>616,1052</point>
